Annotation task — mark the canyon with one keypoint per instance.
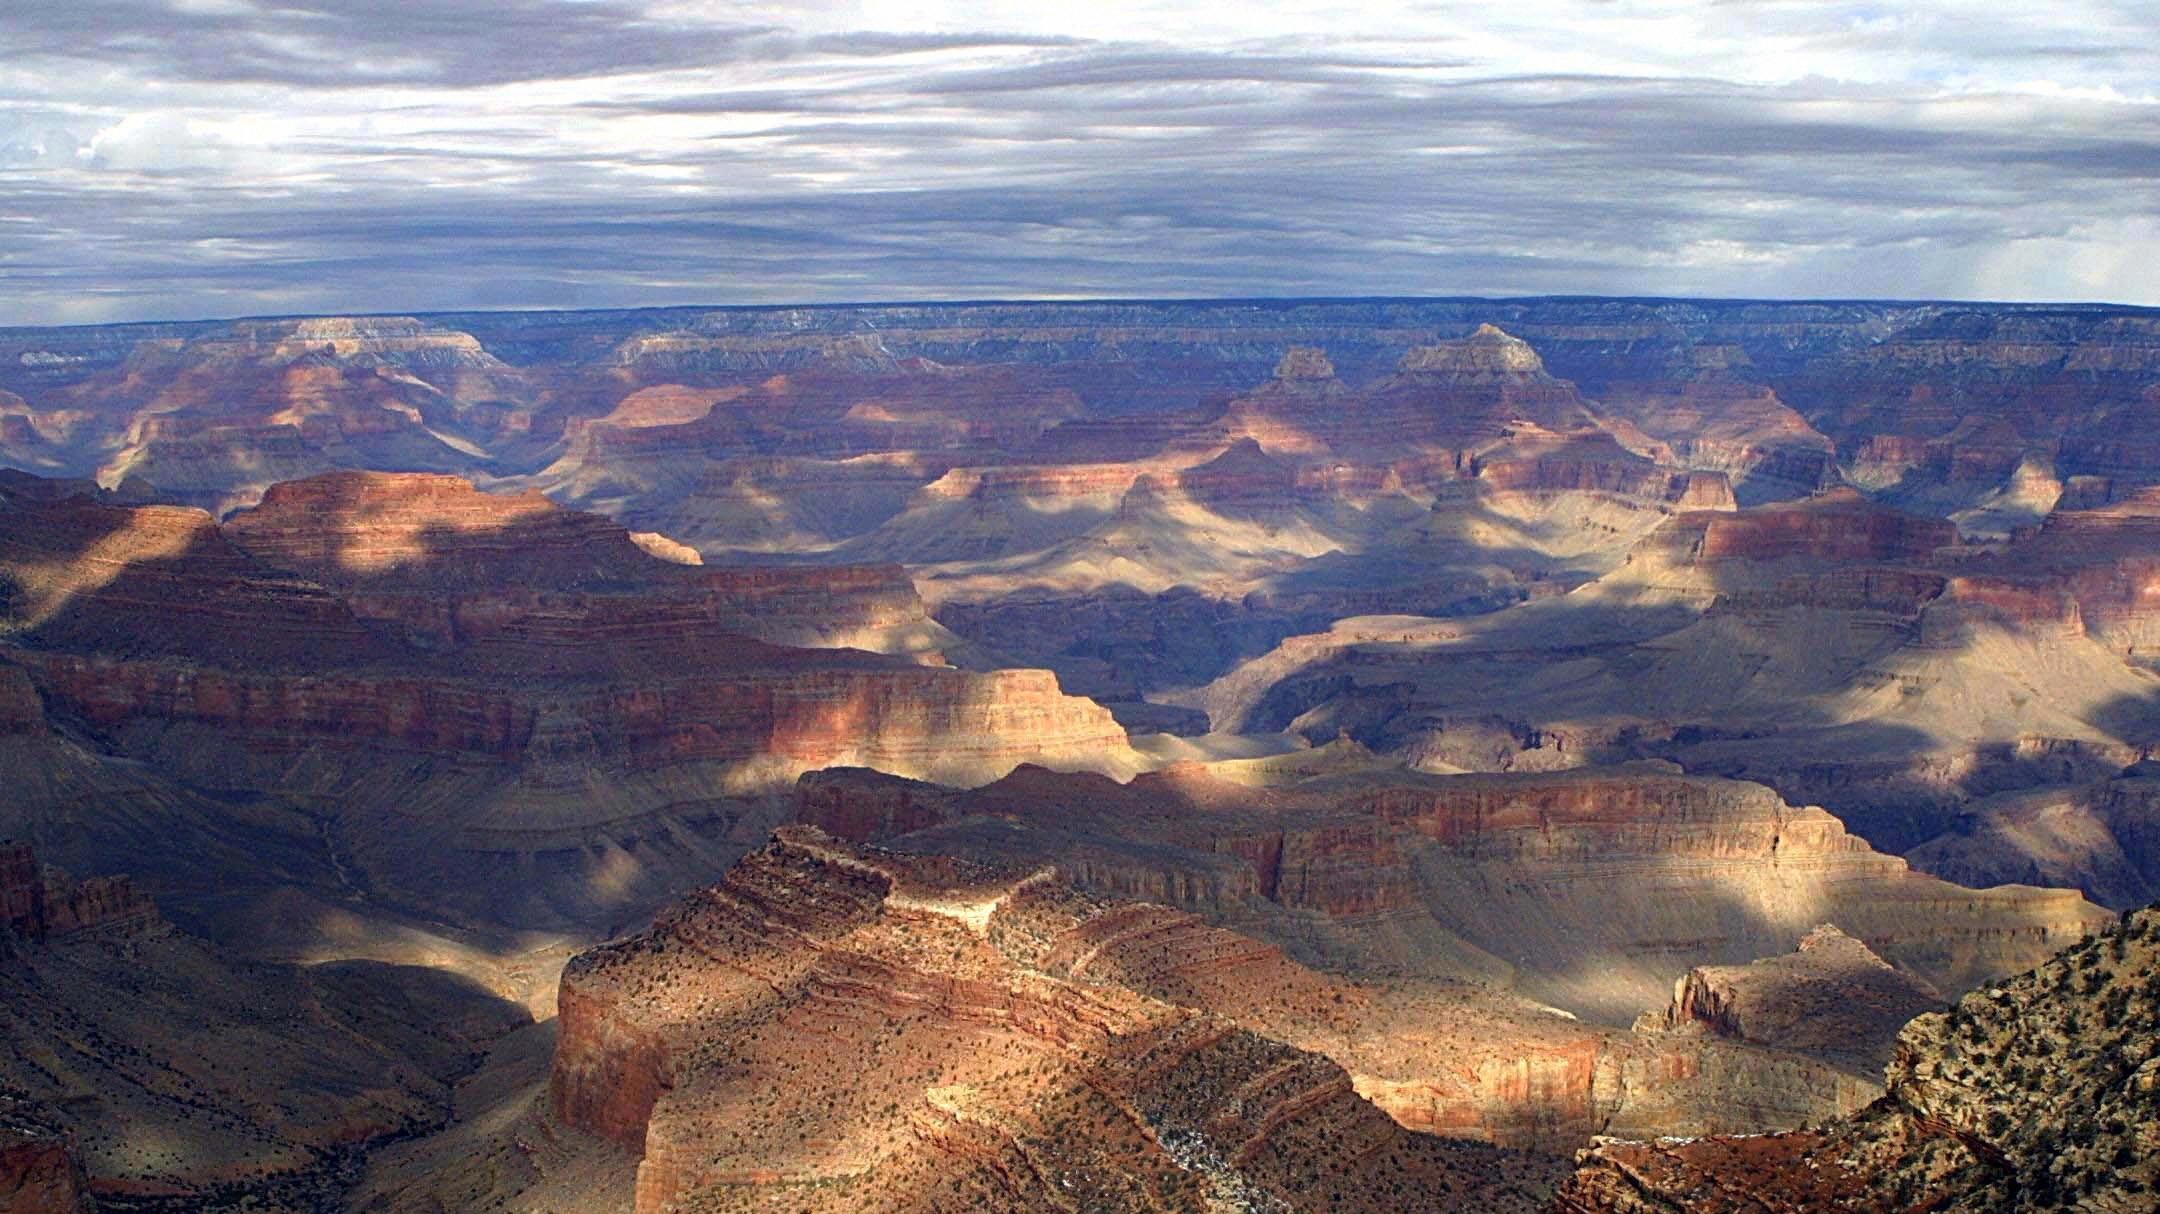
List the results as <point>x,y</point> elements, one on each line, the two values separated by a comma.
<point>1292,754</point>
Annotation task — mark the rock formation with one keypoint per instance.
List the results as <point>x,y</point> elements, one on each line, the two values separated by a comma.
<point>1832,998</point>
<point>40,904</point>
<point>2042,1092</point>
<point>1588,890</point>
<point>39,1171</point>
<point>459,698</point>
<point>835,1027</point>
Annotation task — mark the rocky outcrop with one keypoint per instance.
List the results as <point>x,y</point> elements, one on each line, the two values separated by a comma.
<point>39,1171</point>
<point>1833,998</point>
<point>2041,1092</point>
<point>1487,353</point>
<point>858,1029</point>
<point>40,904</point>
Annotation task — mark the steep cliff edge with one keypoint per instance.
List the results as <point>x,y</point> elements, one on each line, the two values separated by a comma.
<point>2041,1092</point>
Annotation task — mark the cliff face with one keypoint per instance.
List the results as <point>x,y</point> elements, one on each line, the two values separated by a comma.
<point>845,1028</point>
<point>450,675</point>
<point>39,905</point>
<point>2037,1093</point>
<point>1590,890</point>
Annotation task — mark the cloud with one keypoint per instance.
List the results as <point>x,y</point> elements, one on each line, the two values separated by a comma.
<point>188,157</point>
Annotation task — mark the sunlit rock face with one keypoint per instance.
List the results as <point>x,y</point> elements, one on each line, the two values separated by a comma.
<point>831,1018</point>
<point>855,1029</point>
<point>1590,890</point>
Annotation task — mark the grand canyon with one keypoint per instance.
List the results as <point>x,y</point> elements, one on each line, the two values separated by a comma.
<point>1567,755</point>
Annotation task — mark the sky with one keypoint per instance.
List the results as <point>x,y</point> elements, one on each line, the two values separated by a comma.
<point>164,159</point>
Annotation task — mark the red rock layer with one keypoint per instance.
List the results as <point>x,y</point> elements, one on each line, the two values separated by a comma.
<point>2095,568</point>
<point>1837,526</point>
<point>39,1174</point>
<point>647,667</point>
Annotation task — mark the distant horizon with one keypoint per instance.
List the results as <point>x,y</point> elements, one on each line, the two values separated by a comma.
<point>2034,305</point>
<point>168,158</point>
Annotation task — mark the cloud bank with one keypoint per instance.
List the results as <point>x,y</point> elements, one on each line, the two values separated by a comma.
<point>176,158</point>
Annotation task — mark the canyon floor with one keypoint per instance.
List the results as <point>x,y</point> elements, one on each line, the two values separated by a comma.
<point>1313,755</point>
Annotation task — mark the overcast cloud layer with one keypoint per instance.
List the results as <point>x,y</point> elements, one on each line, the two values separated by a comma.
<point>180,158</point>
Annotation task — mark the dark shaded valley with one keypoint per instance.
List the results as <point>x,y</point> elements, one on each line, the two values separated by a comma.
<point>1323,755</point>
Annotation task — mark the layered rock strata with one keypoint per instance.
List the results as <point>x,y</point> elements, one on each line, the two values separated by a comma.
<point>1593,890</point>
<point>840,1028</point>
<point>454,701</point>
